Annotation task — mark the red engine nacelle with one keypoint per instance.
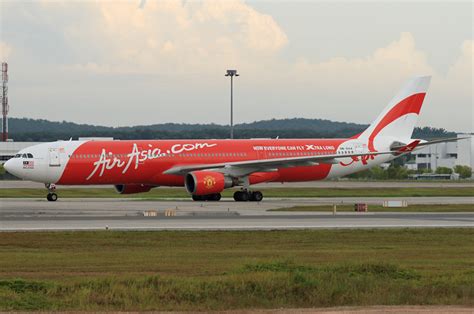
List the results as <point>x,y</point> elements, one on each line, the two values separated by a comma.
<point>132,188</point>
<point>207,182</point>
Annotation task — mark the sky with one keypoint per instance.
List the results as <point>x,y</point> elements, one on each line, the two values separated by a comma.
<point>120,63</point>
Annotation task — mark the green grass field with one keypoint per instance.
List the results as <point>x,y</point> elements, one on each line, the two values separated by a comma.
<point>268,192</point>
<point>380,208</point>
<point>178,270</point>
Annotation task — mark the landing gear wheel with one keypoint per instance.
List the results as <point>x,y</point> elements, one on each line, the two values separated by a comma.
<point>210,197</point>
<point>197,198</point>
<point>52,197</point>
<point>215,197</point>
<point>256,196</point>
<point>241,196</point>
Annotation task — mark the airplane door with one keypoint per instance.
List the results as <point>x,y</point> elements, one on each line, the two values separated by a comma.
<point>54,157</point>
<point>359,148</point>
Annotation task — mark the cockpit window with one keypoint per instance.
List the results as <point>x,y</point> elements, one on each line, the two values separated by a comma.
<point>25,155</point>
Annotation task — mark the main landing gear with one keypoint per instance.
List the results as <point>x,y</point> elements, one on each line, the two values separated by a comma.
<point>245,195</point>
<point>52,196</point>
<point>239,196</point>
<point>210,197</point>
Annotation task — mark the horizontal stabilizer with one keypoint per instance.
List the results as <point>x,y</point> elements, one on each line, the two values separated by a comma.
<point>426,143</point>
<point>407,148</point>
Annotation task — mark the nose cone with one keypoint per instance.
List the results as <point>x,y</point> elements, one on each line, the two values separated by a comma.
<point>7,165</point>
<point>12,166</point>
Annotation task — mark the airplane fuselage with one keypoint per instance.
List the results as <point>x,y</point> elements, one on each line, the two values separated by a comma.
<point>145,161</point>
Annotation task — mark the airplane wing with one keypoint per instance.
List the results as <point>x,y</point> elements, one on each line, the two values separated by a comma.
<point>242,168</point>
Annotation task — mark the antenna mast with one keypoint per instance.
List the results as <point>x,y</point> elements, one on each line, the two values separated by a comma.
<point>4,98</point>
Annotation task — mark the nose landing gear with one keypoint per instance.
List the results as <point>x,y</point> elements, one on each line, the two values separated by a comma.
<point>52,196</point>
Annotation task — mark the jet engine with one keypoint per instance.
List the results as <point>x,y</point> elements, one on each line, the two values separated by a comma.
<point>132,188</point>
<point>207,182</point>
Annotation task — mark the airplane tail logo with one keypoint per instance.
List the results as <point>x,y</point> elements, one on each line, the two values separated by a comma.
<point>399,118</point>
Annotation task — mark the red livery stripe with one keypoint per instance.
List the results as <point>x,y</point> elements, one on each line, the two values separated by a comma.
<point>411,104</point>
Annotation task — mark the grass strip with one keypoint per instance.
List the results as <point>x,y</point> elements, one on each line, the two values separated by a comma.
<point>160,193</point>
<point>221,270</point>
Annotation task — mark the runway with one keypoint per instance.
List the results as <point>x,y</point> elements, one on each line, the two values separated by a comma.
<point>235,222</point>
<point>33,207</point>
<point>117,214</point>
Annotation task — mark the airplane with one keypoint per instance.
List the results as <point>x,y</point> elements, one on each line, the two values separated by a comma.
<point>207,167</point>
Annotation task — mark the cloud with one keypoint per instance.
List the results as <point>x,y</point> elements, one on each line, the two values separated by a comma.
<point>5,51</point>
<point>357,89</point>
<point>400,59</point>
<point>157,36</point>
<point>158,48</point>
<point>452,94</point>
<point>462,69</point>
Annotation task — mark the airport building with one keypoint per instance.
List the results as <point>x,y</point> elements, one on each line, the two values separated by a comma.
<point>9,149</point>
<point>448,154</point>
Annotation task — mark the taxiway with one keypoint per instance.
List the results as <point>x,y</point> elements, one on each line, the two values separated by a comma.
<point>120,214</point>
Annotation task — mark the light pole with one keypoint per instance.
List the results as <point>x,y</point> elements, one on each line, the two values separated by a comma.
<point>232,73</point>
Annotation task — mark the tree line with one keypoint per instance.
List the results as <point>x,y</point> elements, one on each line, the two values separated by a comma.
<point>31,130</point>
<point>399,172</point>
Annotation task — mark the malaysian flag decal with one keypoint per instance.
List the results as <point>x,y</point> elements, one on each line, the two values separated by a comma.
<point>28,164</point>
